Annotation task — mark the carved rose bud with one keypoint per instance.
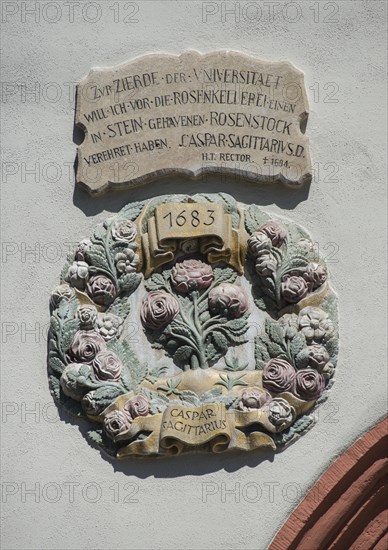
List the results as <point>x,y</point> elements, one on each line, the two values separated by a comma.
<point>315,275</point>
<point>315,324</point>
<point>309,384</point>
<point>109,325</point>
<point>274,231</point>
<point>137,406</point>
<point>318,357</point>
<point>306,246</point>
<point>265,265</point>
<point>107,366</point>
<point>73,380</point>
<point>158,310</point>
<point>89,404</point>
<point>61,292</point>
<point>228,300</point>
<point>289,324</point>
<point>253,398</point>
<point>278,376</point>
<point>280,413</point>
<point>124,231</point>
<point>189,246</point>
<point>116,422</point>
<point>87,315</point>
<point>82,250</point>
<point>191,275</point>
<point>259,243</point>
<point>293,288</point>
<point>328,371</point>
<point>78,274</point>
<point>85,346</point>
<point>101,290</point>
<point>126,261</point>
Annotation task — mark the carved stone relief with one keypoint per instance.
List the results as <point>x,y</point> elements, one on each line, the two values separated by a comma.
<point>193,323</point>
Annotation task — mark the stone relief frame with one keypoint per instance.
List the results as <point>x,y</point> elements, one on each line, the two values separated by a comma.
<point>236,329</point>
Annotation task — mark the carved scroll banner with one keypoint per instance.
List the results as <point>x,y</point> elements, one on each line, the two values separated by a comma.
<point>222,112</point>
<point>180,428</point>
<point>195,227</point>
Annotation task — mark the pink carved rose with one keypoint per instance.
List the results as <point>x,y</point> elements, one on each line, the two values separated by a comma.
<point>265,265</point>
<point>278,376</point>
<point>158,310</point>
<point>318,357</point>
<point>259,244</point>
<point>253,398</point>
<point>107,366</point>
<point>85,346</point>
<point>78,274</point>
<point>274,231</point>
<point>82,250</point>
<point>137,406</point>
<point>228,300</point>
<point>191,275</point>
<point>116,422</point>
<point>61,292</point>
<point>309,384</point>
<point>293,288</point>
<point>280,413</point>
<point>315,275</point>
<point>101,290</point>
<point>124,231</point>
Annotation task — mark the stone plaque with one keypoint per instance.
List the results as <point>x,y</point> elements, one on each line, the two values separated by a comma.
<point>222,112</point>
<point>193,323</point>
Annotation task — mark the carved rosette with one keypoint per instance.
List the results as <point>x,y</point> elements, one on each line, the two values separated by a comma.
<point>236,329</point>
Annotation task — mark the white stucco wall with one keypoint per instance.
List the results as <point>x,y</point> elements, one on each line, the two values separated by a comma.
<point>341,49</point>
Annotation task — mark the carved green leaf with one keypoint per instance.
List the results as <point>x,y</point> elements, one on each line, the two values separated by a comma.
<point>220,341</point>
<point>211,395</point>
<point>190,398</point>
<point>69,329</point>
<point>120,307</point>
<point>56,365</point>
<point>99,233</point>
<point>261,354</point>
<point>133,210</point>
<point>275,332</point>
<point>55,387</point>
<point>224,275</point>
<point>302,359</point>
<point>183,354</point>
<point>156,373</point>
<point>237,327</point>
<point>275,350</point>
<point>97,257</point>
<point>156,282</point>
<point>234,364</point>
<point>65,269</point>
<point>105,395</point>
<point>129,282</point>
<point>95,436</point>
<point>254,217</point>
<point>298,343</point>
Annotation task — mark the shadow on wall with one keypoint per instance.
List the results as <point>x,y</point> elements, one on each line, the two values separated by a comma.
<point>194,464</point>
<point>242,190</point>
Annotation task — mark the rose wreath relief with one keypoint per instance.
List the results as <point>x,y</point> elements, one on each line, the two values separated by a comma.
<point>240,354</point>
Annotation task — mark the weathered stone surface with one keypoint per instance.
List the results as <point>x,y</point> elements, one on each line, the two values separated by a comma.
<point>219,112</point>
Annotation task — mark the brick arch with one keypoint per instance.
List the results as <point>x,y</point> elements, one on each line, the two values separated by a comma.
<point>347,506</point>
